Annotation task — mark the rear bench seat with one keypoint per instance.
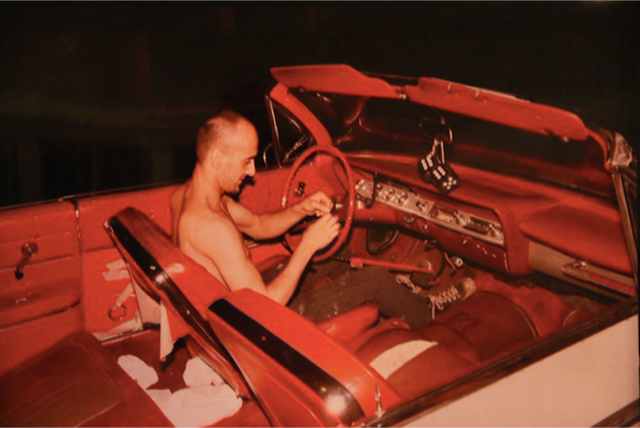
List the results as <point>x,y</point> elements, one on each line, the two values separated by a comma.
<point>76,382</point>
<point>52,368</point>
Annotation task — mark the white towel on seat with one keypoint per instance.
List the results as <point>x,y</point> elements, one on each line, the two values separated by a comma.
<point>393,358</point>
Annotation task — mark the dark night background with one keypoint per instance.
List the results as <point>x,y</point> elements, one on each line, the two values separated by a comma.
<point>102,95</point>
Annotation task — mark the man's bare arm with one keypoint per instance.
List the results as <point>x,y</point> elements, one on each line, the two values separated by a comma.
<point>221,243</point>
<point>267,226</point>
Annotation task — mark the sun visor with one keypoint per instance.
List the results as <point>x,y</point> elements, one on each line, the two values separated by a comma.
<point>334,78</point>
<point>496,107</point>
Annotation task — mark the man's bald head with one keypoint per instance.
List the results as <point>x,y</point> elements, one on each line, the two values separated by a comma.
<point>216,132</point>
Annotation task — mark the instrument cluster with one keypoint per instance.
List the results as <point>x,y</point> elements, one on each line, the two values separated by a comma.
<point>448,217</point>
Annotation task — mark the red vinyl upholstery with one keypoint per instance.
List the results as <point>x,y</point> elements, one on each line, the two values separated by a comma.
<point>296,371</point>
<point>186,290</point>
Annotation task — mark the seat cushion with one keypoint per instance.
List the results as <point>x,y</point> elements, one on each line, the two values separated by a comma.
<point>419,364</point>
<point>429,369</point>
<point>76,382</point>
<point>490,322</point>
<point>451,340</point>
<point>345,327</point>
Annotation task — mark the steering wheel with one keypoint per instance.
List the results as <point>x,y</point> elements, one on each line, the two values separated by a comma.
<point>329,176</point>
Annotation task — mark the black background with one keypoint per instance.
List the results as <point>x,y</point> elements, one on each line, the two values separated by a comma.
<point>102,95</point>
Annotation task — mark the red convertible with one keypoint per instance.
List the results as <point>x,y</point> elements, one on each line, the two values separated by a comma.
<point>485,274</point>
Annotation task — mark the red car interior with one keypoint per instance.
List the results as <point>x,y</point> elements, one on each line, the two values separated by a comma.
<point>541,258</point>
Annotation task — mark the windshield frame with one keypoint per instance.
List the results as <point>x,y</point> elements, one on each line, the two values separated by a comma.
<point>583,172</point>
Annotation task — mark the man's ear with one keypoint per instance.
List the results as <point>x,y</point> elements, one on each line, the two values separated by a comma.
<point>215,158</point>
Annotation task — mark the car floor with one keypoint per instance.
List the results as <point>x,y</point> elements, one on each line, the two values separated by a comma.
<point>146,346</point>
<point>77,382</point>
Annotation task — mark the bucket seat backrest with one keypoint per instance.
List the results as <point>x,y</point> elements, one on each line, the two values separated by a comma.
<point>174,279</point>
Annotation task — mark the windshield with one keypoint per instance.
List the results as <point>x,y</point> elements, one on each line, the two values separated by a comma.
<point>398,126</point>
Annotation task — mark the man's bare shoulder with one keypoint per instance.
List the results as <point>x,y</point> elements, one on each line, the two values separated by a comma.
<point>196,219</point>
<point>177,197</point>
<point>198,226</point>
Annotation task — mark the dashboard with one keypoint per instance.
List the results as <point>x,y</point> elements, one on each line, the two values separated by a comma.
<point>504,223</point>
<point>468,230</point>
<point>443,215</point>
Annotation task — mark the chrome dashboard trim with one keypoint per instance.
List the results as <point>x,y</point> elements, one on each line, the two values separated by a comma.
<point>437,213</point>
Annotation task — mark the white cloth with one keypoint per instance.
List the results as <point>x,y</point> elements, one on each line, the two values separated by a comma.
<point>138,370</point>
<point>197,406</point>
<point>198,373</point>
<point>206,400</point>
<point>393,358</point>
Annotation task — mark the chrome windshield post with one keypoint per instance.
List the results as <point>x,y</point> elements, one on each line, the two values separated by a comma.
<point>625,182</point>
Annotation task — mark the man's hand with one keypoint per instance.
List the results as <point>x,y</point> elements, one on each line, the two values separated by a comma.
<point>321,232</point>
<point>317,204</point>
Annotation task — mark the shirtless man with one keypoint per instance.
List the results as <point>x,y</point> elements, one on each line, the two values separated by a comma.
<point>208,224</point>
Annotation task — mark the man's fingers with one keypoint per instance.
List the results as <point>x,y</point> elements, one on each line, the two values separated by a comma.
<point>324,230</point>
<point>329,221</point>
<point>330,218</point>
<point>317,208</point>
<point>334,224</point>
<point>322,201</point>
<point>326,200</point>
<point>323,206</point>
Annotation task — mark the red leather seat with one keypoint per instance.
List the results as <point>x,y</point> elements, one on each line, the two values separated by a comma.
<point>181,284</point>
<point>458,341</point>
<point>354,327</point>
<point>484,326</point>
